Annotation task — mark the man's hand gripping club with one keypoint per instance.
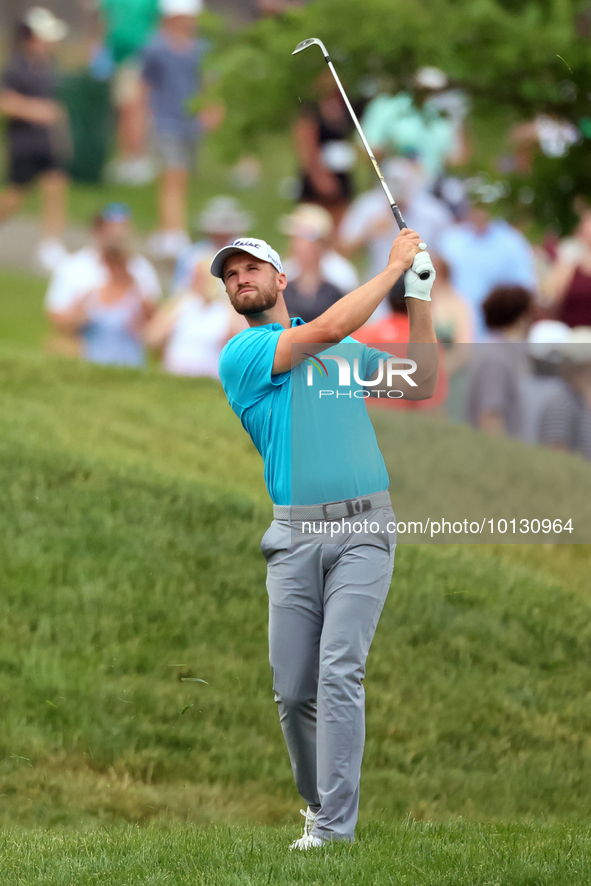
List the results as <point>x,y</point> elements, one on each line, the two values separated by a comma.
<point>419,279</point>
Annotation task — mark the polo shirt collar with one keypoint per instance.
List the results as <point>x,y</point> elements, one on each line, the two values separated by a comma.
<point>295,321</point>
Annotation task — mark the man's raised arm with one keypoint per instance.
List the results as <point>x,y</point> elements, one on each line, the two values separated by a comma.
<point>422,342</point>
<point>351,311</point>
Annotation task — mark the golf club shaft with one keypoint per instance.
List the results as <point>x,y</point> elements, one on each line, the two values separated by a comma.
<point>311,41</point>
<point>395,210</point>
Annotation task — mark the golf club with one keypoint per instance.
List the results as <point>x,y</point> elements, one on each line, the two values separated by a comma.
<point>395,210</point>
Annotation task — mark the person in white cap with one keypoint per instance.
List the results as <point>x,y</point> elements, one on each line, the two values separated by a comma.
<point>222,220</point>
<point>35,131</point>
<point>311,285</point>
<point>325,595</point>
<point>172,73</point>
<point>566,420</point>
<point>411,124</point>
<point>191,328</point>
<point>315,222</point>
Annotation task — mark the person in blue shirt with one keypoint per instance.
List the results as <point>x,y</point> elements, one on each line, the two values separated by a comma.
<point>323,468</point>
<point>172,74</point>
<point>483,253</point>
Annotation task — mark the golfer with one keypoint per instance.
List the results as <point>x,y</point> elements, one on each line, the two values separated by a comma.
<point>325,596</point>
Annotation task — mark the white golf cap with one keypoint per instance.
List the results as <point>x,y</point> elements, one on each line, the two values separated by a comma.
<point>577,349</point>
<point>556,343</point>
<point>170,8</point>
<point>259,248</point>
<point>544,338</point>
<point>430,78</point>
<point>44,24</point>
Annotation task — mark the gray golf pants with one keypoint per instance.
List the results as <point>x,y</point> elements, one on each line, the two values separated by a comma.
<point>324,604</point>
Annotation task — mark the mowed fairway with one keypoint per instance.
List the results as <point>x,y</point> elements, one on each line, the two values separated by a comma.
<point>135,686</point>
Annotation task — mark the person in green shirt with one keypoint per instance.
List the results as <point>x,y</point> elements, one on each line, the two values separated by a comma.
<point>128,27</point>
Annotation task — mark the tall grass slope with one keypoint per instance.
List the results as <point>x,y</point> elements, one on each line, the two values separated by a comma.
<point>134,680</point>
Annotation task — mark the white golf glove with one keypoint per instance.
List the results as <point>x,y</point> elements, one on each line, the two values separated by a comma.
<point>414,287</point>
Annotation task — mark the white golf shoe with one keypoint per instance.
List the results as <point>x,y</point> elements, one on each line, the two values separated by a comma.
<point>307,840</point>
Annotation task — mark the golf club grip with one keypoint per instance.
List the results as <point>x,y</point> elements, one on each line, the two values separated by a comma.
<point>401,224</point>
<point>398,216</point>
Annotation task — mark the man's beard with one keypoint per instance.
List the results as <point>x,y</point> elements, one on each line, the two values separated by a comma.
<point>257,301</point>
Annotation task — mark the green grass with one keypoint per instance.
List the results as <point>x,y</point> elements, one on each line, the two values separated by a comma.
<point>21,308</point>
<point>131,511</point>
<point>178,428</point>
<point>410,854</point>
<point>453,471</point>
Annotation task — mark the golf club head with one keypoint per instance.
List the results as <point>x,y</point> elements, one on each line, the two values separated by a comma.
<point>309,42</point>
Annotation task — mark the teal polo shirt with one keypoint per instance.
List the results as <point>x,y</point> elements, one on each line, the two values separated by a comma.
<point>313,432</point>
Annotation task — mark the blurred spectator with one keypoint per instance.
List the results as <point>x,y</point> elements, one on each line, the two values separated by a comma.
<point>553,136</point>
<point>316,221</point>
<point>325,155</point>
<point>566,420</point>
<point>499,367</point>
<point>128,25</point>
<point>484,253</point>
<point>543,347</point>
<point>369,221</point>
<point>453,192</point>
<point>223,220</point>
<point>452,316</point>
<point>308,293</point>
<point>193,327</point>
<point>508,313</point>
<point>394,329</point>
<point>172,74</point>
<point>37,132</point>
<point>111,318</point>
<point>453,321</point>
<point>542,339</point>
<point>85,271</point>
<point>394,326</point>
<point>419,123</point>
<point>568,283</point>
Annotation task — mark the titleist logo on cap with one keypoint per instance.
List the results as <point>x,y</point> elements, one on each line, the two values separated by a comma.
<point>246,243</point>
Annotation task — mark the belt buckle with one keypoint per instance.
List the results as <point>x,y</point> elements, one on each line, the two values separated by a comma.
<point>357,506</point>
<point>354,506</point>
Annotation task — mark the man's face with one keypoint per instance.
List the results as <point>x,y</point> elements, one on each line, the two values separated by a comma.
<point>251,284</point>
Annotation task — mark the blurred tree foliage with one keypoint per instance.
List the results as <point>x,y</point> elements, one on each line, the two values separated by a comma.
<point>530,56</point>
